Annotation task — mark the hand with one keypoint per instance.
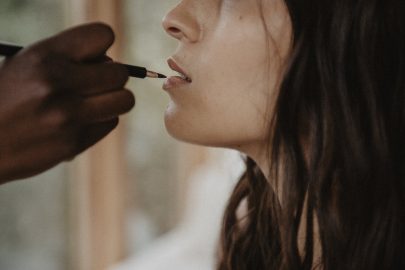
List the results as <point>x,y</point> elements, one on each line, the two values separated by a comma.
<point>58,98</point>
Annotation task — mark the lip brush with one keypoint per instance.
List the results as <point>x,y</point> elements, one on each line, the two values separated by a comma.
<point>134,71</point>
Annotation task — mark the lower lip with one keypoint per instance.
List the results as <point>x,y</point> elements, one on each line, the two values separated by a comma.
<point>174,82</point>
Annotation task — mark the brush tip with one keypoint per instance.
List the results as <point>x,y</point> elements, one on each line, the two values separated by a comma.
<point>161,76</point>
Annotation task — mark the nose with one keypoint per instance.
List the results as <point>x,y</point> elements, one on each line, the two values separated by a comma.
<point>181,24</point>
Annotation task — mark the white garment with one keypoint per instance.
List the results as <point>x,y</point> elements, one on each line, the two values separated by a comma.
<point>193,244</point>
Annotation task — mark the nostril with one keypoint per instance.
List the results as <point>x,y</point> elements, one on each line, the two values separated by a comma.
<point>180,24</point>
<point>174,30</point>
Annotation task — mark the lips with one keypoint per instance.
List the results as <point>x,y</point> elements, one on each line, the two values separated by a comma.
<point>176,81</point>
<point>173,65</point>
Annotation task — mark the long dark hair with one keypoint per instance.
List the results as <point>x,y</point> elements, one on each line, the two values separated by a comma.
<point>337,147</point>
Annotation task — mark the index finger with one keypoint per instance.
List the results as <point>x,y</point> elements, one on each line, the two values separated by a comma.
<point>80,43</point>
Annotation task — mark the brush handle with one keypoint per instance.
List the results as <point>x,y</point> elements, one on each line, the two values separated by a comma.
<point>134,71</point>
<point>9,50</point>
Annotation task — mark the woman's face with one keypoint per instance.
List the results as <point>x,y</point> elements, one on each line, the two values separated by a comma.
<point>233,67</point>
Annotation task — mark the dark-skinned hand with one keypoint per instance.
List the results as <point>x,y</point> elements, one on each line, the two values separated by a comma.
<point>58,97</point>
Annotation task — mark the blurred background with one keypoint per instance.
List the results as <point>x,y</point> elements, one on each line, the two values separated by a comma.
<point>139,200</point>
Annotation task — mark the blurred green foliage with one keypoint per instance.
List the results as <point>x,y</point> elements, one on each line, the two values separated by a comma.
<point>13,5</point>
<point>26,21</point>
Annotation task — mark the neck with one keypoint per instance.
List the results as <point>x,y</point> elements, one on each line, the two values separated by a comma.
<point>261,158</point>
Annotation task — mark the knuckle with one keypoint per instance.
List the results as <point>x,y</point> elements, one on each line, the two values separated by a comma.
<point>35,56</point>
<point>52,72</point>
<point>59,119</point>
<point>45,85</point>
<point>42,90</point>
<point>43,66</point>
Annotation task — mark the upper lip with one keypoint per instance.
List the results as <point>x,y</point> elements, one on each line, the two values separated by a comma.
<point>174,66</point>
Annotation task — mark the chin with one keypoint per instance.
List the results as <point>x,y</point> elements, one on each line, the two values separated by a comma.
<point>175,127</point>
<point>191,129</point>
<point>187,134</point>
<point>184,133</point>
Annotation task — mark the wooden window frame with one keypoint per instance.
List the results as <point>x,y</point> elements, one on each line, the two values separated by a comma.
<point>98,177</point>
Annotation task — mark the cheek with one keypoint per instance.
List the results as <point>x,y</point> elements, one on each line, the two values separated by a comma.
<point>227,104</point>
<point>219,114</point>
